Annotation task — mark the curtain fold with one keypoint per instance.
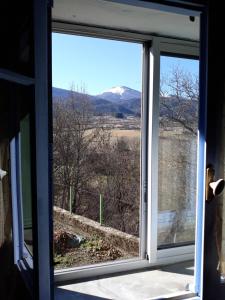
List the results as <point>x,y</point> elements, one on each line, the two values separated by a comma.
<point>221,233</point>
<point>5,198</point>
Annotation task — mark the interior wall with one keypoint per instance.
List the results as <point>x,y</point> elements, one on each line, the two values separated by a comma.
<point>16,27</point>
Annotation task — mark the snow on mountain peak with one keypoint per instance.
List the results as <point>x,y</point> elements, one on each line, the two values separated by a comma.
<point>120,93</point>
<point>117,90</point>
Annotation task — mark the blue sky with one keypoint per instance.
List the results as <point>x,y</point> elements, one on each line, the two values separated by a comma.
<point>188,65</point>
<point>99,64</point>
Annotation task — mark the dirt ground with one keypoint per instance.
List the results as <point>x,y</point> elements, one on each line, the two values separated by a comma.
<point>91,250</point>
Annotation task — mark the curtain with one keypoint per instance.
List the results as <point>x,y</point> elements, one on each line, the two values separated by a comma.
<point>5,198</point>
<point>220,231</point>
<point>222,256</point>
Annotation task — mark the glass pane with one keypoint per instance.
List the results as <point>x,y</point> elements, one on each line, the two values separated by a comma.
<point>96,131</point>
<point>178,123</point>
<point>25,152</point>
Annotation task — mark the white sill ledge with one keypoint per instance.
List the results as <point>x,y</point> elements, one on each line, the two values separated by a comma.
<point>165,283</point>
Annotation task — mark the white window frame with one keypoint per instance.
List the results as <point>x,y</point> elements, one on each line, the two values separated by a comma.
<point>162,45</point>
<point>150,256</point>
<point>141,261</point>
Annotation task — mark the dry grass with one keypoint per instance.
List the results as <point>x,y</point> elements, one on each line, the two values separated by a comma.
<point>125,133</point>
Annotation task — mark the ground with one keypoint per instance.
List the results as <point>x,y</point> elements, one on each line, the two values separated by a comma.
<point>90,250</point>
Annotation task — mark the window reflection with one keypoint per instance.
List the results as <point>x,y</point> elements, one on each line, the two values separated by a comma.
<point>178,123</point>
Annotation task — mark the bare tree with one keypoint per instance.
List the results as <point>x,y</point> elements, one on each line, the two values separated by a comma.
<point>75,138</point>
<point>178,110</point>
<point>120,171</point>
<point>179,99</point>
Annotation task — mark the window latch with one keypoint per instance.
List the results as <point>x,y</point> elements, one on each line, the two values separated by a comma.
<point>213,188</point>
<point>2,174</point>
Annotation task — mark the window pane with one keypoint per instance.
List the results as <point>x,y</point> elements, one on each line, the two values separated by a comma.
<point>96,131</point>
<point>26,192</point>
<point>178,123</point>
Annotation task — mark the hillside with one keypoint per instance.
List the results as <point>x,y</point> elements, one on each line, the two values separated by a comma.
<point>101,105</point>
<point>127,101</point>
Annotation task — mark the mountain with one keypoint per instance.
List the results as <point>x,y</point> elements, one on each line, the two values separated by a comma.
<point>133,105</point>
<point>60,93</point>
<point>128,102</point>
<point>120,93</point>
<point>102,106</point>
<point>99,105</point>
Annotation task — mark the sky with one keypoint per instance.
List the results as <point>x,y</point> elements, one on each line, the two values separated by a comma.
<point>97,65</point>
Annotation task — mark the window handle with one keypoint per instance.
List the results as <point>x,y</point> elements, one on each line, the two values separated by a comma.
<point>2,174</point>
<point>213,188</point>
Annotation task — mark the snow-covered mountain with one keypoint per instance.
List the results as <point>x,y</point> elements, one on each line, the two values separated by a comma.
<point>119,93</point>
<point>101,105</point>
<point>127,101</point>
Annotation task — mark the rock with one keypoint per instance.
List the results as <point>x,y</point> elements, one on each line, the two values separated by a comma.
<point>64,241</point>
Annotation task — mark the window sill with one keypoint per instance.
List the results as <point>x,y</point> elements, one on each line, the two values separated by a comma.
<point>168,282</point>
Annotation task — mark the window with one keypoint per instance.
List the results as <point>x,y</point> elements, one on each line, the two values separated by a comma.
<point>22,176</point>
<point>164,238</point>
<point>96,150</point>
<point>146,199</point>
<point>25,171</point>
<point>177,161</point>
